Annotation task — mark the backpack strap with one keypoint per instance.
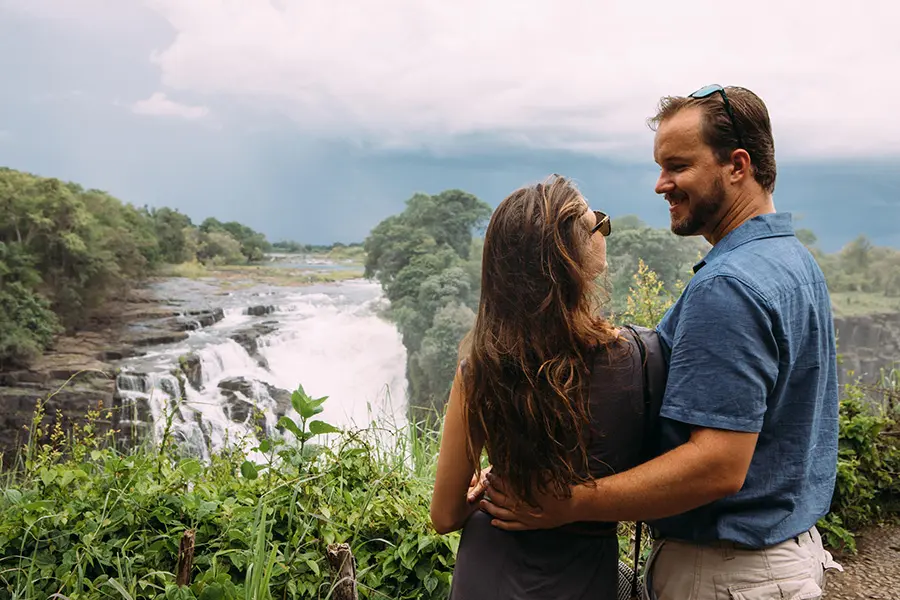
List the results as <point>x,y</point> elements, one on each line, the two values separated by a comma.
<point>653,372</point>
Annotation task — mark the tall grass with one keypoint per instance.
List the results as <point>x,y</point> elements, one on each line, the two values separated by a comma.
<point>80,519</point>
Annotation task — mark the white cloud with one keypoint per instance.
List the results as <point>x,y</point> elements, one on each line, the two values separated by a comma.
<point>576,74</point>
<point>159,105</point>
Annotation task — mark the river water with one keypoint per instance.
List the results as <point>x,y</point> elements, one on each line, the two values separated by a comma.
<point>329,338</point>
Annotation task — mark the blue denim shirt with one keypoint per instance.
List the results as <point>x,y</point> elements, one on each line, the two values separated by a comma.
<point>751,348</point>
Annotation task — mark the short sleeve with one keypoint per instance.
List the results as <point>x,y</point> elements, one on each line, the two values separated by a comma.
<point>724,358</point>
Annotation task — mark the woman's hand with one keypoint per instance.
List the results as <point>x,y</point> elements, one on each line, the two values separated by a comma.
<point>478,486</point>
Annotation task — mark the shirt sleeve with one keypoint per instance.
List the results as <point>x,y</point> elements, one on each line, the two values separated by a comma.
<point>724,358</point>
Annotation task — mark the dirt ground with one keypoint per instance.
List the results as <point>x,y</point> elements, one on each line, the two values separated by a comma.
<point>873,573</point>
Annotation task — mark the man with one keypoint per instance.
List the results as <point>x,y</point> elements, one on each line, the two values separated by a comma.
<point>749,421</point>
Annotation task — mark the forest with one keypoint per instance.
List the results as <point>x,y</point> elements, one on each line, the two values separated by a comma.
<point>428,261</point>
<point>65,251</point>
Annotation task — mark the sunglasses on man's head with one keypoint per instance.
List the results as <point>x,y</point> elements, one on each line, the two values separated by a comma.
<point>709,90</point>
<point>604,225</point>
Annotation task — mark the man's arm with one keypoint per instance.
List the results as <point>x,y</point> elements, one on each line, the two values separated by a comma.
<point>710,466</point>
<point>723,364</point>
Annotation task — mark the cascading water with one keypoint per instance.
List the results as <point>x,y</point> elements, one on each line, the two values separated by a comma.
<point>228,380</point>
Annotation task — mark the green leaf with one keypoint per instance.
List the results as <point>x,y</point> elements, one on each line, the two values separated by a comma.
<point>313,566</point>
<point>213,591</point>
<point>311,411</point>
<point>423,570</point>
<point>13,495</point>
<point>119,588</point>
<point>265,446</point>
<point>288,423</point>
<point>66,478</point>
<point>431,583</point>
<point>191,468</point>
<point>208,507</point>
<point>299,400</point>
<point>47,476</point>
<point>319,427</point>
<point>248,470</point>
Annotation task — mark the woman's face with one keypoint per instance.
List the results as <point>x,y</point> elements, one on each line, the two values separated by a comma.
<point>595,253</point>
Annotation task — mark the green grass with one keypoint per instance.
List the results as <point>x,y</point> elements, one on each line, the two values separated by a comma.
<point>81,519</point>
<point>848,304</point>
<point>247,275</point>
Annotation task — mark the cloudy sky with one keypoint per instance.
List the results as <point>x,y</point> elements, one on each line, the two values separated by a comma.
<point>313,120</point>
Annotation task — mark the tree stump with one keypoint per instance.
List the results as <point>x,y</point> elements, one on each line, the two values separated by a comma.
<point>185,559</point>
<point>343,566</point>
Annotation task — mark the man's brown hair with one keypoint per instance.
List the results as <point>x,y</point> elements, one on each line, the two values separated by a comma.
<point>751,117</point>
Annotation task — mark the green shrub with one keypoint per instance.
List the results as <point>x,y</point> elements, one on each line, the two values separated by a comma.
<point>85,521</point>
<point>868,472</point>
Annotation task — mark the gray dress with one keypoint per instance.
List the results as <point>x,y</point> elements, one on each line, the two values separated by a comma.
<point>579,561</point>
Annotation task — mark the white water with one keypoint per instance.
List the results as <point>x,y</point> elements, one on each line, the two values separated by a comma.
<point>328,339</point>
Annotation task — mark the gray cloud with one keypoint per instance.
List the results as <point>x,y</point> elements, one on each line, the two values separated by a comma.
<point>318,139</point>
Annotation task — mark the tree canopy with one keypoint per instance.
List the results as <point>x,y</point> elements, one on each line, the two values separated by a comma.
<point>424,260</point>
<point>65,251</point>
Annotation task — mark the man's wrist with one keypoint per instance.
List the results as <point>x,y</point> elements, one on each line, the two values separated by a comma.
<point>584,499</point>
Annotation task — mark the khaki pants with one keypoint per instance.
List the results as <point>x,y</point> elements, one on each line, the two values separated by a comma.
<point>792,570</point>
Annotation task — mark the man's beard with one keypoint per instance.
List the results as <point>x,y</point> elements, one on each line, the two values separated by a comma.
<point>700,211</point>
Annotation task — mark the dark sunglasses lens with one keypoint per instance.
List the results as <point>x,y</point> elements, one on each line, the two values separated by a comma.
<point>603,224</point>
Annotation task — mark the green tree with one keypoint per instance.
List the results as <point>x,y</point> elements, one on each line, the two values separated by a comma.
<point>670,257</point>
<point>435,362</point>
<point>252,243</point>
<point>171,227</point>
<point>218,247</point>
<point>422,259</point>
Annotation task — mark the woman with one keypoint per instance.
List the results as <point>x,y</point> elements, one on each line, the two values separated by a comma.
<point>551,390</point>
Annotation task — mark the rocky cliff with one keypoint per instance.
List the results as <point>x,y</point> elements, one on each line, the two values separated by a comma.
<point>78,375</point>
<point>867,344</point>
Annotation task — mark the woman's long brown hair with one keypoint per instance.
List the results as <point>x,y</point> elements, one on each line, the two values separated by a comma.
<point>528,353</point>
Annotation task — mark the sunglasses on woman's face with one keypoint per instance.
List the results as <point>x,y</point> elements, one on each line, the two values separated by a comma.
<point>604,226</point>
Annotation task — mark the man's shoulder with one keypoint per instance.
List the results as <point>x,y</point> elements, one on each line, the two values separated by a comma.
<point>770,267</point>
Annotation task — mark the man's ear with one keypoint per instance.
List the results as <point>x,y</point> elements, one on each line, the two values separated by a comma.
<point>741,166</point>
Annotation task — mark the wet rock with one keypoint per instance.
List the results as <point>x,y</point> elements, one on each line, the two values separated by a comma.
<point>260,310</point>
<point>207,318</point>
<point>249,339</point>
<point>192,369</point>
<point>120,354</point>
<point>157,338</point>
<point>242,399</point>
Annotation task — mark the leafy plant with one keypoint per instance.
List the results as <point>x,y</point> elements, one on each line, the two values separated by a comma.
<point>867,489</point>
<point>84,520</point>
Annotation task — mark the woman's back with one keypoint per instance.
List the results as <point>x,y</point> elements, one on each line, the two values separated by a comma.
<point>578,561</point>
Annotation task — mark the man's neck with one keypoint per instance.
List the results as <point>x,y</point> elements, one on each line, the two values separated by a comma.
<point>744,207</point>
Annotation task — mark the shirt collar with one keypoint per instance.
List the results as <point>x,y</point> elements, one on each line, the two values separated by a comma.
<point>758,228</point>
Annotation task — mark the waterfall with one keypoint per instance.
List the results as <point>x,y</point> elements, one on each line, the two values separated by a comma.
<point>233,379</point>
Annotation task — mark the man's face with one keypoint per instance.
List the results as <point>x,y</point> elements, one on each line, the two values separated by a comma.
<point>691,178</point>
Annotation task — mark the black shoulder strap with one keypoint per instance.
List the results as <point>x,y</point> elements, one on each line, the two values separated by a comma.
<point>653,366</point>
